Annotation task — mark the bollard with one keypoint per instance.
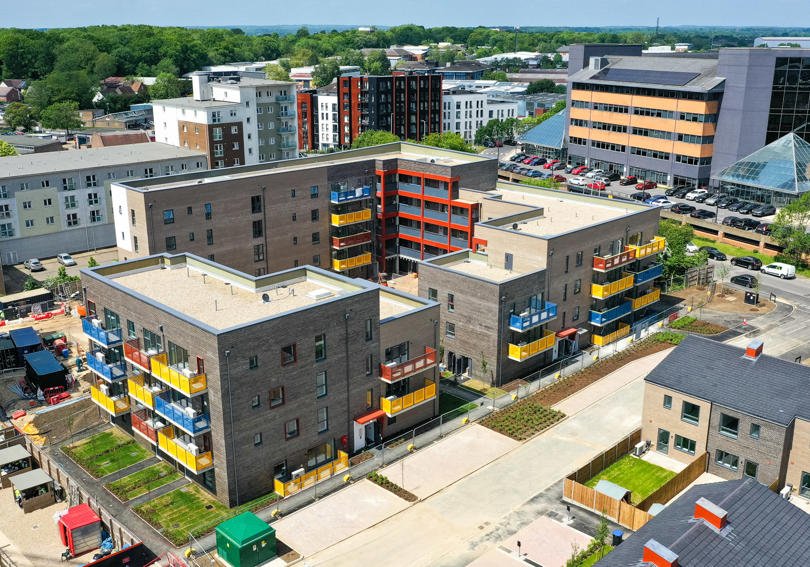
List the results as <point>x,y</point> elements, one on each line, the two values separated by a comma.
<point>347,477</point>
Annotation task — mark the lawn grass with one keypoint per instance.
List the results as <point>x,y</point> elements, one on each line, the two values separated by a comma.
<point>106,452</point>
<point>641,477</point>
<point>450,403</point>
<point>734,251</point>
<point>143,481</point>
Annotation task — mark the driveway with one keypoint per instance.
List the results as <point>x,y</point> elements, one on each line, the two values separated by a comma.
<point>15,275</point>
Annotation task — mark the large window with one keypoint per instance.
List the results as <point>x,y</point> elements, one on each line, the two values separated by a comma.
<point>804,486</point>
<point>726,460</point>
<point>323,420</point>
<point>291,429</point>
<point>152,342</point>
<point>751,469</point>
<point>320,384</point>
<point>690,413</point>
<point>168,216</point>
<point>729,425</point>
<point>178,356</point>
<point>320,455</point>
<point>789,108</point>
<point>685,445</point>
<point>320,347</point>
<point>288,355</point>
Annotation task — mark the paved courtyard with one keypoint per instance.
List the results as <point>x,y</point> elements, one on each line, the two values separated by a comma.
<point>546,542</point>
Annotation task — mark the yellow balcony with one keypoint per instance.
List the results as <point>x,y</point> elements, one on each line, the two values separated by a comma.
<point>602,340</point>
<point>349,218</point>
<point>189,385</point>
<point>651,297</point>
<point>657,245</point>
<point>285,488</point>
<point>353,262</point>
<point>393,406</point>
<point>183,454</point>
<point>523,351</point>
<point>143,394</point>
<point>113,406</point>
<point>601,291</point>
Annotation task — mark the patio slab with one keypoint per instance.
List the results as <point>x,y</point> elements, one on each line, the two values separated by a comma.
<point>547,542</point>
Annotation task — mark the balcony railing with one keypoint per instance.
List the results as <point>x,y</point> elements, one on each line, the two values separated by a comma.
<point>187,455</point>
<point>608,315</point>
<point>92,328</point>
<point>286,487</point>
<point>601,291</point>
<point>348,263</point>
<point>459,242</point>
<point>110,371</point>
<point>186,382</point>
<point>349,218</point>
<point>287,129</point>
<point>438,193</point>
<point>350,195</point>
<point>144,394</point>
<point>435,237</point>
<point>532,318</point>
<point>146,426</point>
<point>134,354</point>
<point>523,351</point>
<point>409,230</point>
<point>391,372</point>
<point>352,240</point>
<point>433,214</point>
<point>605,263</point>
<point>392,406</point>
<point>115,406</point>
<point>409,187</point>
<point>186,418</point>
<point>646,299</point>
<point>657,245</point>
<point>460,220</point>
<point>647,275</point>
<point>602,340</point>
<point>283,98</point>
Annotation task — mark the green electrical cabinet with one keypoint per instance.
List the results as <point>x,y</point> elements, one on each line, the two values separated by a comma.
<point>246,541</point>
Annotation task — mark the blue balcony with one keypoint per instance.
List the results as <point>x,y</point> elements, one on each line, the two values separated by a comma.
<point>350,195</point>
<point>408,209</point>
<point>605,317</point>
<point>459,242</point>
<point>415,232</point>
<point>409,187</point>
<point>460,219</point>
<point>533,317</point>
<point>181,416</point>
<point>436,215</point>
<point>648,274</point>
<point>436,192</point>
<point>436,238</point>
<point>99,335</point>
<point>110,371</point>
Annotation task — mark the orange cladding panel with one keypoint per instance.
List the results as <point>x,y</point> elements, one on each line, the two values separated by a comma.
<point>581,113</point>
<point>612,98</point>
<point>698,106</point>
<point>651,123</point>
<point>610,117</point>
<point>605,136</point>
<point>694,150</point>
<point>579,131</point>
<point>659,103</point>
<point>696,128</point>
<point>581,95</point>
<point>651,143</point>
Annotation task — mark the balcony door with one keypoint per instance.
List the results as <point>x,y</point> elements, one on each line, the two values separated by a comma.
<point>663,441</point>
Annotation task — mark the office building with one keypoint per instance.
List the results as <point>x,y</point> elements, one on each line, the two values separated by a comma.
<point>235,119</point>
<point>59,201</point>
<point>254,384</point>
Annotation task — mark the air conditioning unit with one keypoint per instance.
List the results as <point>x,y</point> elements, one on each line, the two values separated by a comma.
<point>785,492</point>
<point>105,389</point>
<point>191,412</point>
<point>298,473</point>
<point>193,449</point>
<point>639,448</point>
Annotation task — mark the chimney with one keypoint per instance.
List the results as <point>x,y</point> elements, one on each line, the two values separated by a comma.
<point>754,349</point>
<point>711,513</point>
<point>659,555</point>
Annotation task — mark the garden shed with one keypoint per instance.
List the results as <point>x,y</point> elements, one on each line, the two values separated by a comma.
<point>613,490</point>
<point>33,490</point>
<point>245,541</point>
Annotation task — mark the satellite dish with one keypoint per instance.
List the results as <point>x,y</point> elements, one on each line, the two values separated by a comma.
<point>265,298</point>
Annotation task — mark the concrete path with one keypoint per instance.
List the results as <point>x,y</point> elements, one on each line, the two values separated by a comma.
<point>160,491</point>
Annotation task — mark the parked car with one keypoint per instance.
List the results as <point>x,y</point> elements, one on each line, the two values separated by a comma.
<point>550,163</point>
<point>764,211</point>
<point>695,193</point>
<point>576,188</point>
<point>518,157</point>
<point>681,193</point>
<point>597,185</point>
<point>663,203</point>
<point>558,166</point>
<point>570,168</point>
<point>745,280</point>
<point>581,170</point>
<point>545,174</point>
<point>34,265</point>
<point>784,271</point>
<point>527,159</point>
<point>712,199</point>
<point>602,179</point>
<point>535,173</point>
<point>729,221</point>
<point>702,214</point>
<point>537,161</point>
<point>65,259</point>
<point>578,180</point>
<point>672,190</point>
<point>735,207</point>
<point>656,198</point>
<point>612,175</point>
<point>644,185</point>
<point>747,262</point>
<point>763,228</point>
<point>714,253</point>
<point>692,248</point>
<point>559,178</point>
<point>746,223</point>
<point>640,196</point>
<point>682,209</point>
<point>703,197</point>
<point>629,180</point>
<point>594,172</point>
<point>747,208</point>
<point>726,202</point>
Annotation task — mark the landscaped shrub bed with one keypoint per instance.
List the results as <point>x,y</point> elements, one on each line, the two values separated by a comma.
<point>694,325</point>
<point>522,419</point>
<point>361,458</point>
<point>383,481</point>
<point>143,481</point>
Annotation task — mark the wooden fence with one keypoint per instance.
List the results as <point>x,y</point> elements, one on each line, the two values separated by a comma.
<point>617,510</point>
<point>677,483</point>
<point>603,461</point>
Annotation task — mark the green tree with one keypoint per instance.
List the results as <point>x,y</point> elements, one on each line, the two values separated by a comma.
<point>675,259</point>
<point>377,63</point>
<point>448,141</point>
<point>541,86</point>
<point>790,228</point>
<point>66,86</point>
<point>62,116</point>
<point>91,262</point>
<point>495,76</point>
<point>19,116</point>
<point>276,72</point>
<point>37,97</point>
<point>374,138</point>
<point>6,149</point>
<point>166,86</point>
<point>325,73</point>
<point>30,283</point>
<point>105,66</point>
<point>602,533</point>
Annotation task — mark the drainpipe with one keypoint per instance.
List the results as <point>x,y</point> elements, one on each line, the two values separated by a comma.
<point>500,339</point>
<point>233,432</point>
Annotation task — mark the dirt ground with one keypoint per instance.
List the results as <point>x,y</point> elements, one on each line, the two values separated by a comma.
<point>725,299</point>
<point>408,283</point>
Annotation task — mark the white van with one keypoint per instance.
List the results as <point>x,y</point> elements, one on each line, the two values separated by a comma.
<point>784,271</point>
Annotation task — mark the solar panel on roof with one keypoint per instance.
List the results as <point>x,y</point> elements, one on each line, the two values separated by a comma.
<point>651,76</point>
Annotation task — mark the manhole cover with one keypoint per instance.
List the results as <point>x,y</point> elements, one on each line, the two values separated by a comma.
<point>209,507</point>
<point>552,514</point>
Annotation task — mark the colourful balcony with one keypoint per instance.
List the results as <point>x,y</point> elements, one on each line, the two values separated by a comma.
<point>286,487</point>
<point>108,370</point>
<point>134,354</point>
<point>187,455</point>
<point>142,393</point>
<point>656,245</point>
<point>392,406</point>
<point>602,340</point>
<point>392,372</point>
<point>350,195</point>
<point>115,406</point>
<point>186,418</point>
<point>350,218</point>
<point>533,317</point>
<point>353,262</point>
<point>352,240</point>
<point>601,291</point>
<point>92,328</point>
<point>606,316</point>
<point>521,352</point>
<point>647,275</point>
<point>185,382</point>
<point>650,297</point>
<point>147,426</point>
<point>606,263</point>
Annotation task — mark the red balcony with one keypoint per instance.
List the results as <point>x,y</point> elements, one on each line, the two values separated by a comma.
<point>393,372</point>
<point>134,354</point>
<point>144,425</point>
<point>353,240</point>
<point>605,263</point>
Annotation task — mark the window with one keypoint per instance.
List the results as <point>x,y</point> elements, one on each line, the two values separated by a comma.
<point>95,216</point>
<point>690,413</point>
<point>68,184</point>
<point>131,330</point>
<point>171,243</point>
<point>277,397</point>
<point>577,286</point>
<point>72,219</point>
<point>258,253</point>
<point>292,193</point>
<point>369,330</point>
<point>253,362</point>
<point>451,302</point>
<point>565,292</point>
<point>320,384</point>
<point>90,181</point>
<point>29,223</point>
<point>134,242</point>
<point>433,294</point>
<point>235,146</point>
<point>729,425</point>
<point>369,398</point>
<point>315,214</point>
<point>685,445</point>
<point>257,439</point>
<point>320,347</point>
<point>256,401</point>
<point>369,365</point>
<point>132,216</point>
<point>24,186</point>
<point>294,217</point>
<point>579,258</point>
<point>217,132</point>
<point>295,240</point>
<point>26,204</point>
<point>288,355</point>
<point>219,150</point>
<point>751,469</point>
<point>291,429</point>
<point>148,172</point>
<point>209,236</point>
<point>70,202</point>
<point>313,191</point>
<point>256,204</point>
<point>257,229</point>
<point>316,238</point>
<point>575,314</point>
<point>668,402</point>
<point>754,431</point>
<point>168,216</point>
<point>323,419</point>
<point>726,460</point>
<point>47,202</point>
<point>804,486</point>
<point>207,208</point>
<point>450,330</point>
<point>191,237</point>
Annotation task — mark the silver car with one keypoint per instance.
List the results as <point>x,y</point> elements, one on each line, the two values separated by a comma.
<point>65,259</point>
<point>34,265</point>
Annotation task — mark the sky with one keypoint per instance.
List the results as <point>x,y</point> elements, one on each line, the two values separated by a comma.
<point>61,13</point>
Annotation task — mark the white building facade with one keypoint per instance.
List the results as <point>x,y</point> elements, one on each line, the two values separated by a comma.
<point>464,112</point>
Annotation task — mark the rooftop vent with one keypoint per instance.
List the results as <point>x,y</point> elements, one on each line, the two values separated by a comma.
<point>711,513</point>
<point>597,63</point>
<point>319,294</point>
<point>754,349</point>
<point>659,555</point>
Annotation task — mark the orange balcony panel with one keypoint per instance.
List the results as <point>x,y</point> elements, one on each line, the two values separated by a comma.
<point>581,113</point>
<point>352,240</point>
<point>605,263</point>
<point>394,372</point>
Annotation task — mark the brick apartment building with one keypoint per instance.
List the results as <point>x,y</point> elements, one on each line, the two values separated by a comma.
<point>254,384</point>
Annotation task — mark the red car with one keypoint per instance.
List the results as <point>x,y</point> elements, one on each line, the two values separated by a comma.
<point>549,164</point>
<point>528,159</point>
<point>643,185</point>
<point>559,178</point>
<point>580,170</point>
<point>598,185</point>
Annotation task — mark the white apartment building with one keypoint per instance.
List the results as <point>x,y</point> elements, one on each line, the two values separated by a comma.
<point>236,119</point>
<point>464,112</point>
<point>328,121</point>
<point>501,109</point>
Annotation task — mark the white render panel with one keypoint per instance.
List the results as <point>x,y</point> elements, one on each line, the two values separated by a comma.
<point>123,235</point>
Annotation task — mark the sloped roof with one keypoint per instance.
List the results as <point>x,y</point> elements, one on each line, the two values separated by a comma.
<point>611,489</point>
<point>783,165</point>
<point>549,133</point>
